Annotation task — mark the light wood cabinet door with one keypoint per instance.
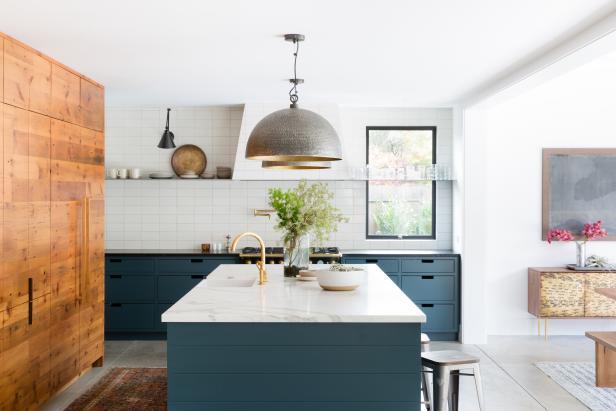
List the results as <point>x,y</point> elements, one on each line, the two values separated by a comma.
<point>77,255</point>
<point>24,381</point>
<point>65,94</point>
<point>67,193</point>
<point>92,275</point>
<point>39,197</point>
<point>92,104</point>
<point>27,78</point>
<point>26,227</point>
<point>17,210</point>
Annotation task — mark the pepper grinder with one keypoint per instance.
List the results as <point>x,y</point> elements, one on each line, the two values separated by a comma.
<point>228,237</point>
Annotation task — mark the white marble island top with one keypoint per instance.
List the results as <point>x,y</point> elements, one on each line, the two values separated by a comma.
<point>225,297</point>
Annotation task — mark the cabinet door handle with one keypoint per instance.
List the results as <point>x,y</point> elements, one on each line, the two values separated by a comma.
<point>372,261</point>
<point>30,312</point>
<point>427,305</point>
<point>116,304</point>
<point>115,260</point>
<point>427,277</point>
<point>30,295</point>
<point>196,260</point>
<point>115,276</point>
<point>429,261</point>
<point>197,276</point>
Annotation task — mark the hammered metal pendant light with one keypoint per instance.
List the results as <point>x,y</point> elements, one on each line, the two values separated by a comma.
<point>166,141</point>
<point>294,138</point>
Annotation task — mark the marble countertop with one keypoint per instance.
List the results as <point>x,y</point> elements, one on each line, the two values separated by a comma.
<point>281,299</point>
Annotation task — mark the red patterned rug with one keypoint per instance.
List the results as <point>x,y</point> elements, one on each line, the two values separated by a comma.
<point>126,389</point>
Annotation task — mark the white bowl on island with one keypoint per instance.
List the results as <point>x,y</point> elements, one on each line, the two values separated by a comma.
<point>341,277</point>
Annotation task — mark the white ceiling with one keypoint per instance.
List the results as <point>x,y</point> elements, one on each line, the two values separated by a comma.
<point>386,52</point>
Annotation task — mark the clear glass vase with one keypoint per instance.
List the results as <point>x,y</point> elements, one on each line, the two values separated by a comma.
<point>296,255</point>
<point>580,248</point>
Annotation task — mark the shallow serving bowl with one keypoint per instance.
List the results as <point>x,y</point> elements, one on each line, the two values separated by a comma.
<point>340,280</point>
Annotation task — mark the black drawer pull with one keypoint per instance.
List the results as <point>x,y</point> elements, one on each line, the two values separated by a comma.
<point>427,277</point>
<point>115,276</point>
<point>116,304</point>
<point>372,261</point>
<point>115,260</point>
<point>427,261</point>
<point>427,305</point>
<point>197,276</point>
<point>196,260</point>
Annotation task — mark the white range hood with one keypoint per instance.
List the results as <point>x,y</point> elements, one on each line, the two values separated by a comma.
<point>251,170</point>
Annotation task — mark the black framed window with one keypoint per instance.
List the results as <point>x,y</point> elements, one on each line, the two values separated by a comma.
<point>400,209</point>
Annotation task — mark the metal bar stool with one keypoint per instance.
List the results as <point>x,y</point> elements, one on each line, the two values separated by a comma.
<point>446,366</point>
<point>426,376</point>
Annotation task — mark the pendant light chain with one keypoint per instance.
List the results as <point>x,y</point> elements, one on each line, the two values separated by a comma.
<point>293,92</point>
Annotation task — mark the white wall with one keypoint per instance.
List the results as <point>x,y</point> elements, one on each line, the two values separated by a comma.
<point>184,214</point>
<point>131,135</point>
<point>575,110</point>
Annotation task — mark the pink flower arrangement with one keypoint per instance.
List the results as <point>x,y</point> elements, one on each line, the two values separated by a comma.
<point>591,231</point>
<point>559,234</point>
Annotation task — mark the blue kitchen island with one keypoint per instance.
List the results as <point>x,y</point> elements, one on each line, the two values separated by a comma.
<point>288,345</point>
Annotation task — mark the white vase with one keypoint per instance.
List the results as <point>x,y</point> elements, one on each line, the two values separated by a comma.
<point>580,248</point>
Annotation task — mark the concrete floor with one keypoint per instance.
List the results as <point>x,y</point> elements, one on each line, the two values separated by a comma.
<point>511,381</point>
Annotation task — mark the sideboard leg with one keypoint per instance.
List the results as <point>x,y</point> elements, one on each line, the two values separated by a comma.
<point>538,327</point>
<point>545,328</point>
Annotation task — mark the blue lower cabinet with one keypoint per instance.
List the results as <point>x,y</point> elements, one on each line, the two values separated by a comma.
<point>129,317</point>
<point>428,265</point>
<point>138,289</point>
<point>130,288</point>
<point>429,287</point>
<point>440,317</point>
<point>173,287</point>
<point>431,281</point>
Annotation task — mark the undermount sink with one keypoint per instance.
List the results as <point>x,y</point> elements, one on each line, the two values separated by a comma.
<point>230,281</point>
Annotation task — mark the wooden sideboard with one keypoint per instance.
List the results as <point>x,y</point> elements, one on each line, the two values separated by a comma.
<point>562,293</point>
<point>51,225</point>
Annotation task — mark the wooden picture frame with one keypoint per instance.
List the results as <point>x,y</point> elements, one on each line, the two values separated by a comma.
<point>584,182</point>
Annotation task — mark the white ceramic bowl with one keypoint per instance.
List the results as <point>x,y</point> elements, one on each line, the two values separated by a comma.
<point>340,280</point>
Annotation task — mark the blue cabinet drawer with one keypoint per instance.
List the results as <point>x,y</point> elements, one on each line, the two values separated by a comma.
<point>428,265</point>
<point>129,316</point>
<point>129,265</point>
<point>198,265</point>
<point>160,309</point>
<point>130,288</point>
<point>172,287</point>
<point>429,287</point>
<point>389,265</point>
<point>439,317</point>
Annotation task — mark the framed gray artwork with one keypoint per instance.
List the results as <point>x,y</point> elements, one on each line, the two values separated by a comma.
<point>579,186</point>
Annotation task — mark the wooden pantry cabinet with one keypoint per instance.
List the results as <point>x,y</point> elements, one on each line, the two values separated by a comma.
<point>51,226</point>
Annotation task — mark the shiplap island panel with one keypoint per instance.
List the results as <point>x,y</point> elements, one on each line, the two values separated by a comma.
<point>236,345</point>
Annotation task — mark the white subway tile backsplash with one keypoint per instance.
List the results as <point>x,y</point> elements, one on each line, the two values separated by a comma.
<point>183,214</point>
